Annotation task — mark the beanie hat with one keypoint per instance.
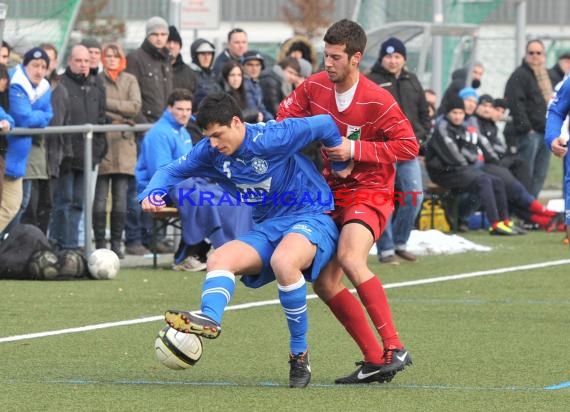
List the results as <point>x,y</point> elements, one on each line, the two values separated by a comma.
<point>454,102</point>
<point>391,46</point>
<point>468,92</point>
<point>35,54</point>
<point>486,98</point>
<point>499,102</point>
<point>253,55</point>
<point>173,35</point>
<point>155,23</point>
<point>91,43</point>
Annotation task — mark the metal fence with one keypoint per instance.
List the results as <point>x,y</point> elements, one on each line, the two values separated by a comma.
<point>87,130</point>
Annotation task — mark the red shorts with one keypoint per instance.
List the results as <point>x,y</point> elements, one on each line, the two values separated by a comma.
<point>372,216</point>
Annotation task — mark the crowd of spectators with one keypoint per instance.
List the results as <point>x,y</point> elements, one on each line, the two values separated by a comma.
<point>463,148</point>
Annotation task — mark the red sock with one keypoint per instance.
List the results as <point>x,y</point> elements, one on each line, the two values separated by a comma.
<point>494,224</point>
<point>375,301</point>
<point>543,221</point>
<point>349,312</point>
<point>538,208</point>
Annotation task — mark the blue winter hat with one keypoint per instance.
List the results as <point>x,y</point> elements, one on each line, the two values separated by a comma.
<point>468,92</point>
<point>391,46</point>
<point>35,53</point>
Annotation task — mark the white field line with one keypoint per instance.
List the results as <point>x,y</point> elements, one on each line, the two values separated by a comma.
<point>437,279</point>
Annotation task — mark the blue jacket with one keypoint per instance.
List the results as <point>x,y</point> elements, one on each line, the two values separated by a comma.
<point>165,142</point>
<point>30,107</point>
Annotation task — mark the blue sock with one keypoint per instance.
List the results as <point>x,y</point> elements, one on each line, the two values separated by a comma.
<point>293,300</point>
<point>217,291</point>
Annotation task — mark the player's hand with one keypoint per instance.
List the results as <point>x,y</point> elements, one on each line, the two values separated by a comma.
<point>344,173</point>
<point>152,204</point>
<point>4,125</point>
<point>559,147</point>
<point>340,153</point>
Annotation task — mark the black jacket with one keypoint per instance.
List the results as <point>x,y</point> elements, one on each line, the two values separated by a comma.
<point>525,101</point>
<point>183,77</point>
<point>409,94</point>
<point>154,73</point>
<point>86,105</point>
<point>451,155</point>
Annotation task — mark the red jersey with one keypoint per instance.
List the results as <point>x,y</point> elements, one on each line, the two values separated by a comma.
<point>386,135</point>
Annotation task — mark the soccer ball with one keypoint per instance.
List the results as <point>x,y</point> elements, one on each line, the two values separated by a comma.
<point>103,264</point>
<point>177,350</point>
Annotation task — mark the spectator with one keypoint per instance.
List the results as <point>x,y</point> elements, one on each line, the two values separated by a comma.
<point>459,81</point>
<point>182,75</point>
<point>278,81</point>
<point>560,69</point>
<point>253,64</point>
<point>6,122</point>
<point>299,47</point>
<point>94,47</point>
<point>151,67</point>
<point>451,160</point>
<point>40,205</point>
<point>305,71</point>
<point>5,51</point>
<point>237,46</point>
<point>202,53</point>
<point>431,99</point>
<point>86,105</point>
<point>521,202</point>
<point>527,93</point>
<point>389,72</point>
<point>123,103</point>
<point>232,83</point>
<point>30,106</point>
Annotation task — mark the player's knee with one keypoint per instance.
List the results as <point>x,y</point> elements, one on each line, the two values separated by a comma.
<point>281,262</point>
<point>217,260</point>
<point>325,288</point>
<point>351,265</point>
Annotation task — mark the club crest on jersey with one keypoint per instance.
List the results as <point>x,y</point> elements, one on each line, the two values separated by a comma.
<point>259,166</point>
<point>353,132</point>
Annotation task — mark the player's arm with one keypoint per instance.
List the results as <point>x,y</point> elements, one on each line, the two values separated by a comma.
<point>195,163</point>
<point>557,112</point>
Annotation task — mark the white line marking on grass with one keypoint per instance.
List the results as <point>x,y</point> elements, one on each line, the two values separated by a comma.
<point>250,305</point>
<point>392,386</point>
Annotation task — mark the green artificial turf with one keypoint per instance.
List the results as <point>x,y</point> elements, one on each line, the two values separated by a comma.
<point>486,343</point>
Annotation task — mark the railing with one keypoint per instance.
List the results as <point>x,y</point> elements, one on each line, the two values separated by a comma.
<point>87,130</point>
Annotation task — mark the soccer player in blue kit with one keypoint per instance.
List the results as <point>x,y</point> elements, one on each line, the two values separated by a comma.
<point>557,111</point>
<point>293,237</point>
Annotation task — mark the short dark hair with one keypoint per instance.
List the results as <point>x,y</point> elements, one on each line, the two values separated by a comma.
<point>233,31</point>
<point>290,62</point>
<point>179,95</point>
<point>6,45</point>
<point>218,108</point>
<point>349,33</point>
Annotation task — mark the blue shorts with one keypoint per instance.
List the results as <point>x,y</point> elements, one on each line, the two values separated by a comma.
<point>319,229</point>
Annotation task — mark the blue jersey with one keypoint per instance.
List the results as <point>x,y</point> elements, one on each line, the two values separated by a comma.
<point>558,109</point>
<point>266,171</point>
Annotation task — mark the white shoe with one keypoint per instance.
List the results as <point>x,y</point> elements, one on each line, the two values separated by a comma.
<point>190,264</point>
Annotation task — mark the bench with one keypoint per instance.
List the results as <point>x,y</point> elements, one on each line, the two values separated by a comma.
<point>163,219</point>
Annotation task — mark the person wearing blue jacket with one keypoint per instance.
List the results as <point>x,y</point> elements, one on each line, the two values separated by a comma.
<point>293,237</point>
<point>30,106</point>
<point>558,109</point>
<point>6,121</point>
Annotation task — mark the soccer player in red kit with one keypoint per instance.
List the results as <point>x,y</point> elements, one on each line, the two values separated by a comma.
<point>378,134</point>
